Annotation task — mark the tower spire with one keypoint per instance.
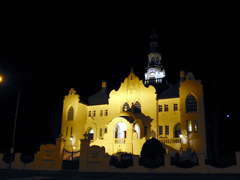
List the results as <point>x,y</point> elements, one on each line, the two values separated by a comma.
<point>154,46</point>
<point>155,72</point>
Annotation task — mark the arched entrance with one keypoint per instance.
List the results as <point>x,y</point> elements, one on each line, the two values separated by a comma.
<point>90,134</point>
<point>120,131</point>
<point>177,131</point>
<point>137,129</point>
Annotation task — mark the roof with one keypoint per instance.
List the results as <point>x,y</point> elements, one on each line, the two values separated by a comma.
<point>172,92</point>
<point>99,98</point>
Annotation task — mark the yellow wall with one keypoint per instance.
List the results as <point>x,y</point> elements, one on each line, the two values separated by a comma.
<point>197,140</point>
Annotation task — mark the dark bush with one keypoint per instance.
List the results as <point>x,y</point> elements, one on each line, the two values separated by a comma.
<point>152,154</point>
<point>126,160</point>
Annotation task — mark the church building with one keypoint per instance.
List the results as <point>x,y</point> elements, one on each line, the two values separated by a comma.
<point>122,120</point>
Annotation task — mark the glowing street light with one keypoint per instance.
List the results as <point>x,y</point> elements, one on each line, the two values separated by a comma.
<point>181,138</point>
<point>71,139</point>
<point>1,79</point>
<point>15,121</point>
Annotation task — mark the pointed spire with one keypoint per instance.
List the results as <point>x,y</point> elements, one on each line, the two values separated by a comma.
<point>154,46</point>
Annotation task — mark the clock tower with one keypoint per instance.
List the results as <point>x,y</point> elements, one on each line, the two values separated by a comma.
<point>155,72</point>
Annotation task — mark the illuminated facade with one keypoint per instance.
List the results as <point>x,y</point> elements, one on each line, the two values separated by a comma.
<point>122,120</point>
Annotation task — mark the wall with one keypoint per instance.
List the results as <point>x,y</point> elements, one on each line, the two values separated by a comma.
<point>49,157</point>
<point>196,141</point>
<point>94,159</point>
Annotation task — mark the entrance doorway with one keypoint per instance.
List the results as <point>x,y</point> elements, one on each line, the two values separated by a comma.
<point>177,130</point>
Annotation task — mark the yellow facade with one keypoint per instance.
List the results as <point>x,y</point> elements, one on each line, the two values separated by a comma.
<point>134,113</point>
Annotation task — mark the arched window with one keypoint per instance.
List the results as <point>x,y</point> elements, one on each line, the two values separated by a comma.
<point>191,104</point>
<point>137,107</point>
<point>157,60</point>
<point>70,114</point>
<point>125,107</point>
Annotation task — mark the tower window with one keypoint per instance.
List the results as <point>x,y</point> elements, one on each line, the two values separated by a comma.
<point>157,60</point>
<point>70,114</point>
<point>94,113</point>
<point>191,104</point>
<point>89,113</point>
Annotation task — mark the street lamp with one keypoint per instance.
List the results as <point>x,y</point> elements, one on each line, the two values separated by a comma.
<point>1,79</point>
<point>181,137</point>
<point>15,121</point>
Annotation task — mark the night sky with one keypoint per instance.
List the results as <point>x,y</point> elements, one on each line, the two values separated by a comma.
<point>56,52</point>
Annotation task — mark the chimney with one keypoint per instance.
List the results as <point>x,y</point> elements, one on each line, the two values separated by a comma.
<point>104,84</point>
<point>182,75</point>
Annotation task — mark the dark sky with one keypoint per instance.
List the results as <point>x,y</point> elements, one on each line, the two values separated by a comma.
<point>51,53</point>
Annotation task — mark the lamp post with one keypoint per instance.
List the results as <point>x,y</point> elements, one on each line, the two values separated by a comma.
<point>71,139</point>
<point>181,137</point>
<point>15,121</point>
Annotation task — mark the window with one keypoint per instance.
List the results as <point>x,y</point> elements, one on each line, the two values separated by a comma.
<point>160,108</point>
<point>70,114</point>
<point>195,126</point>
<point>189,126</point>
<point>100,132</point>
<point>89,114</point>
<point>166,130</point>
<point>94,113</point>
<point>160,130</point>
<point>106,112</point>
<point>166,107</point>
<point>191,104</point>
<point>101,113</point>
<point>137,107</point>
<point>105,130</point>
<point>71,132</point>
<point>125,107</point>
<point>157,60</point>
<point>175,107</point>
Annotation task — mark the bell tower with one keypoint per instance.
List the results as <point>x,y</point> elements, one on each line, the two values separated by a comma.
<point>155,72</point>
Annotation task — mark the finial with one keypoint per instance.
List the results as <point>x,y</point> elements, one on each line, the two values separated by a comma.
<point>131,69</point>
<point>154,36</point>
<point>72,91</point>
